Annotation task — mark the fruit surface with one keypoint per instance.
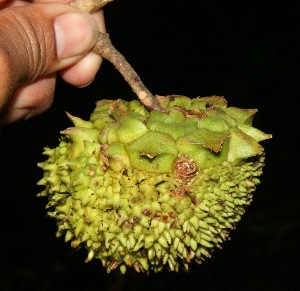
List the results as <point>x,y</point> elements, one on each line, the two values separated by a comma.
<point>153,190</point>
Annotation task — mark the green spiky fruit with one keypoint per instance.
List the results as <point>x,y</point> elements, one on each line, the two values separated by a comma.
<point>153,189</point>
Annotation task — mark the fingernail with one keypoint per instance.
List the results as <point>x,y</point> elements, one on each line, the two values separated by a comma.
<point>16,115</point>
<point>75,33</point>
<point>87,84</point>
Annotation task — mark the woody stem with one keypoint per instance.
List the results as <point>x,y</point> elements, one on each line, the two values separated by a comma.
<point>105,48</point>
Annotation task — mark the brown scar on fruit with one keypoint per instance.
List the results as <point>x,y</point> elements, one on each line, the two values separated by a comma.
<point>185,168</point>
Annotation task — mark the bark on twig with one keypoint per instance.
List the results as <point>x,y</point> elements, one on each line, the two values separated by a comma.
<point>105,48</point>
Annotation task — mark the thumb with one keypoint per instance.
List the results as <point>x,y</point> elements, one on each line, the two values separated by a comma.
<point>37,40</point>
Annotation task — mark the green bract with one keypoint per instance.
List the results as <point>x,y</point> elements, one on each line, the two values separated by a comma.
<point>152,189</point>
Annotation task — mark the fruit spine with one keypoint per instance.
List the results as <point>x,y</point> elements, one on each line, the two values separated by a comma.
<point>152,189</point>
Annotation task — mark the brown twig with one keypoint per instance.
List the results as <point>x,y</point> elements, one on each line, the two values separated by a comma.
<point>105,48</point>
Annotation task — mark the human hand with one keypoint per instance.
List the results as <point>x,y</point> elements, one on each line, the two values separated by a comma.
<point>38,40</point>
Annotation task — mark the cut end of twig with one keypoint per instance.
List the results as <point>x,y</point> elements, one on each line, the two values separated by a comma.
<point>90,6</point>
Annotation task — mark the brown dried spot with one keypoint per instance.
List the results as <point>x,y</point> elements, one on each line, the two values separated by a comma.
<point>147,212</point>
<point>75,244</point>
<point>174,224</point>
<point>172,214</point>
<point>178,192</point>
<point>136,266</point>
<point>150,156</point>
<point>156,215</point>
<point>66,218</point>
<point>209,105</point>
<point>172,97</point>
<point>86,221</point>
<point>185,167</point>
<point>114,264</point>
<point>194,113</point>
<point>195,200</point>
<point>136,218</point>
<point>181,192</point>
<point>128,224</point>
<point>165,218</point>
<point>103,155</point>
<point>142,252</point>
<point>134,200</point>
<point>221,202</point>
<point>117,109</point>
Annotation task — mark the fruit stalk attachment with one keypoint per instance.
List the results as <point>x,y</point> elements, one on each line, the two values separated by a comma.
<point>104,48</point>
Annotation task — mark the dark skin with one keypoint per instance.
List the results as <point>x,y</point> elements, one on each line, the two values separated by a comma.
<point>38,41</point>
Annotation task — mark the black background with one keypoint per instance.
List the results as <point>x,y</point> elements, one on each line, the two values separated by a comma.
<point>245,51</point>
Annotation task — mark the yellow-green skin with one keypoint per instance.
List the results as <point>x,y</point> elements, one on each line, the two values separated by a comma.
<point>149,190</point>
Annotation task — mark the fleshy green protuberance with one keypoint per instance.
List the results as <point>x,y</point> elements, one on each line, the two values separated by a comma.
<point>150,190</point>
